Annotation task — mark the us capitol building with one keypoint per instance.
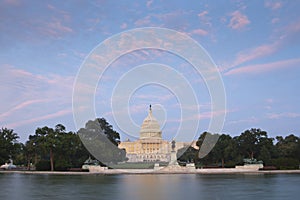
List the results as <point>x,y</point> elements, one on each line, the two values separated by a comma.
<point>151,147</point>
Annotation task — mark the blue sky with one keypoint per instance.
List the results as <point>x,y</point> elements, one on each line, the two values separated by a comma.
<point>255,45</point>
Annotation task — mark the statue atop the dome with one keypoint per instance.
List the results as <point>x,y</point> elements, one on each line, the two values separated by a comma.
<point>150,109</point>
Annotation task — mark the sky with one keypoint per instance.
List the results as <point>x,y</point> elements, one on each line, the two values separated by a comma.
<point>255,46</point>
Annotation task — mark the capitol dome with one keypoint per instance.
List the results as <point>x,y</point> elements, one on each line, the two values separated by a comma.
<point>150,128</point>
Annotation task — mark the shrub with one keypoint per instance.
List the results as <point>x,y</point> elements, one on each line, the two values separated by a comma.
<point>62,165</point>
<point>285,163</point>
<point>43,165</point>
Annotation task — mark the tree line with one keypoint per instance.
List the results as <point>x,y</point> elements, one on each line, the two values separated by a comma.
<point>59,149</point>
<point>279,152</point>
<point>55,148</point>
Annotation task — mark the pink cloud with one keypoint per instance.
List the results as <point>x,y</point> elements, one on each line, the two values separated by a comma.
<point>149,3</point>
<point>160,98</point>
<point>20,107</point>
<point>177,19</point>
<point>93,23</point>
<point>269,100</point>
<point>64,15</point>
<point>273,5</point>
<point>262,68</point>
<point>238,20</point>
<point>123,26</point>
<point>283,115</point>
<point>206,106</point>
<point>200,32</point>
<point>55,28</point>
<point>250,120</point>
<point>203,115</point>
<point>202,14</point>
<point>27,95</point>
<point>286,35</point>
<point>254,53</point>
<point>269,103</point>
<point>40,118</point>
<point>291,30</point>
<point>12,2</point>
<point>143,21</point>
<point>275,20</point>
<point>138,109</point>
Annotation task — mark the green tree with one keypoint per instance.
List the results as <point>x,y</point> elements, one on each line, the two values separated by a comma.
<point>265,155</point>
<point>70,152</point>
<point>288,146</point>
<point>187,154</point>
<point>232,153</point>
<point>31,151</point>
<point>222,149</point>
<point>102,141</point>
<point>250,142</point>
<point>46,141</point>
<point>108,130</point>
<point>55,149</point>
<point>9,146</point>
<point>206,143</point>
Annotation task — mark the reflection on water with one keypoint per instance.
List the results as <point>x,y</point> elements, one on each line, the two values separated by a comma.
<point>144,187</point>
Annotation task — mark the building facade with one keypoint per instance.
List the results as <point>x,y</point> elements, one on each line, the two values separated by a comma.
<point>150,147</point>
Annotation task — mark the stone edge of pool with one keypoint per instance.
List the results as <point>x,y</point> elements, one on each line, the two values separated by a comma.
<point>148,171</point>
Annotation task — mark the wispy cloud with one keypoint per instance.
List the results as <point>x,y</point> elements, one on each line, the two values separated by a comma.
<point>202,107</point>
<point>250,120</point>
<point>283,115</point>
<point>200,32</point>
<point>177,19</point>
<point>275,20</point>
<point>123,26</point>
<point>64,15</point>
<point>283,37</point>
<point>40,118</point>
<point>21,106</point>
<point>238,20</point>
<point>93,23</point>
<point>145,21</point>
<point>54,28</point>
<point>254,53</point>
<point>203,14</point>
<point>12,2</point>
<point>204,18</point>
<point>202,116</point>
<point>160,98</point>
<point>290,32</point>
<point>269,103</point>
<point>262,68</point>
<point>149,3</point>
<point>274,5</point>
<point>270,100</point>
<point>32,96</point>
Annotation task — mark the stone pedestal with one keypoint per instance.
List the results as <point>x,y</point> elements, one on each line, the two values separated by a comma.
<point>157,167</point>
<point>250,167</point>
<point>97,169</point>
<point>173,158</point>
<point>190,167</point>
